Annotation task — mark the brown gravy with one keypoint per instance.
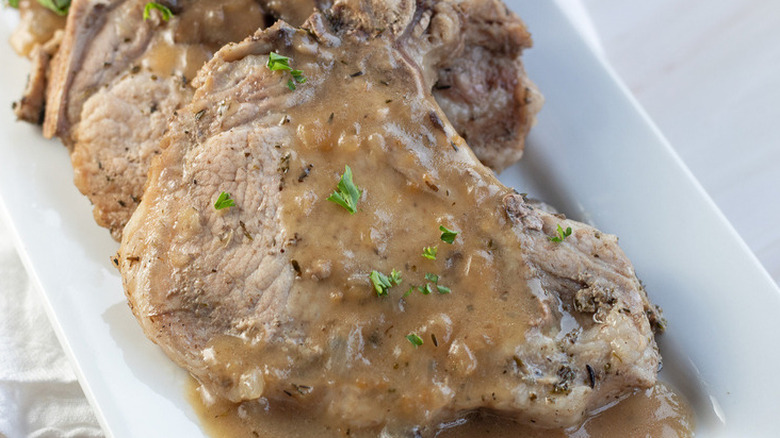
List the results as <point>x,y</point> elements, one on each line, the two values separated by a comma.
<point>330,347</point>
<point>344,365</point>
<point>197,30</point>
<point>658,412</point>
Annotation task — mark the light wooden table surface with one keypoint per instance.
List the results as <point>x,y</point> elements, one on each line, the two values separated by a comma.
<point>708,73</point>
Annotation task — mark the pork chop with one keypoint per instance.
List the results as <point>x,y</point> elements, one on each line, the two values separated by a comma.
<point>255,265</point>
<point>295,12</point>
<point>119,77</point>
<point>37,37</point>
<point>484,91</point>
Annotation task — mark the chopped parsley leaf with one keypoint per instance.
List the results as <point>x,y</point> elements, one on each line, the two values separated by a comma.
<point>448,235</point>
<point>13,3</point>
<point>346,193</point>
<point>395,277</point>
<point>224,201</point>
<point>561,234</point>
<point>383,282</point>
<point>414,339</point>
<point>429,252</point>
<point>59,7</point>
<point>298,76</point>
<point>432,277</point>
<point>425,289</point>
<point>164,11</point>
<point>278,62</point>
<point>443,289</point>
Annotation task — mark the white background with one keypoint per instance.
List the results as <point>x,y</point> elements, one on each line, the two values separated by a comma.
<point>708,73</point>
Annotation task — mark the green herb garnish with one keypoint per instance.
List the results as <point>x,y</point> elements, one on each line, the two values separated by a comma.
<point>429,252</point>
<point>414,339</point>
<point>425,289</point>
<point>278,62</point>
<point>59,7</point>
<point>298,76</point>
<point>561,234</point>
<point>164,11</point>
<point>443,289</point>
<point>395,277</point>
<point>224,201</point>
<point>448,235</point>
<point>346,193</point>
<point>384,282</point>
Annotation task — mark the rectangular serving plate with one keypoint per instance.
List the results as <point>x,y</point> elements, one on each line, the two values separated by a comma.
<point>594,154</point>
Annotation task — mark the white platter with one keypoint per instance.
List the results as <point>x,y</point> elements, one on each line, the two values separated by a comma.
<point>594,154</point>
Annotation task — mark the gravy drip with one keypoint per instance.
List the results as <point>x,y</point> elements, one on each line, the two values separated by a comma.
<point>657,412</point>
<point>196,31</point>
<point>334,352</point>
<point>345,353</point>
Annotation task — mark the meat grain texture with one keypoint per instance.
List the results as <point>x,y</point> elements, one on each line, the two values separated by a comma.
<point>116,79</point>
<point>271,300</point>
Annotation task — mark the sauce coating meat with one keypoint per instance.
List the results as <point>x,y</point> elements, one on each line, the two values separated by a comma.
<point>117,79</point>
<point>279,298</point>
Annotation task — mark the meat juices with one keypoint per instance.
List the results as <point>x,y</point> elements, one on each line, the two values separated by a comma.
<point>271,300</point>
<point>655,412</point>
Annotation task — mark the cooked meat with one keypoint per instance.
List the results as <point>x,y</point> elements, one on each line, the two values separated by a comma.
<point>273,298</point>
<point>480,85</point>
<point>118,78</point>
<point>484,91</point>
<point>295,12</point>
<point>37,37</point>
<point>30,107</point>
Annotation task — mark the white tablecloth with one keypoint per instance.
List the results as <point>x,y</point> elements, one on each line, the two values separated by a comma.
<point>707,71</point>
<point>39,394</point>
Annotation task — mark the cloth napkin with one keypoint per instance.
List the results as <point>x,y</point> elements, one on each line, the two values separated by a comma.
<point>39,394</point>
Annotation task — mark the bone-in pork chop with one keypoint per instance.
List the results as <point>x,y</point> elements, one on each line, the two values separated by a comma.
<point>359,315</point>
